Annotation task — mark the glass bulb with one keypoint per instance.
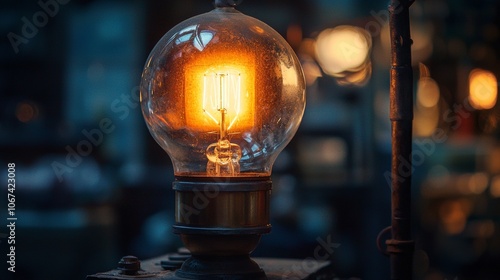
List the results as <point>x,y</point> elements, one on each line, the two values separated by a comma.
<point>222,93</point>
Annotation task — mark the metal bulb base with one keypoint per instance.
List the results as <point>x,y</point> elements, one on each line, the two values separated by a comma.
<point>220,221</point>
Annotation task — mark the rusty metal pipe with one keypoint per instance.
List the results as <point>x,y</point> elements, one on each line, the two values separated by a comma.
<point>401,246</point>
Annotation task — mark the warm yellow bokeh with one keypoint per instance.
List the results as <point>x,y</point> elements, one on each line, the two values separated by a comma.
<point>495,186</point>
<point>427,92</point>
<point>344,48</point>
<point>483,89</point>
<point>425,121</point>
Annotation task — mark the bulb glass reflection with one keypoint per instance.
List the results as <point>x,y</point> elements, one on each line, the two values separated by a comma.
<point>222,93</point>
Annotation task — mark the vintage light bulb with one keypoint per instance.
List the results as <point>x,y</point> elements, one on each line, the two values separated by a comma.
<point>222,93</point>
<point>227,79</point>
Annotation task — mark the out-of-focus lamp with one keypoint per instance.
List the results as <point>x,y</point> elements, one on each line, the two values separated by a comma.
<point>344,53</point>
<point>222,93</point>
<point>483,89</point>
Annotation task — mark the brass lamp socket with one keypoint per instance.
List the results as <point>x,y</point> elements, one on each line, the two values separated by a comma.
<point>214,215</point>
<point>220,220</point>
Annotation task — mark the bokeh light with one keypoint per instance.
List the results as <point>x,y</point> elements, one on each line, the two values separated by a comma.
<point>26,111</point>
<point>343,51</point>
<point>427,92</point>
<point>426,111</point>
<point>483,89</point>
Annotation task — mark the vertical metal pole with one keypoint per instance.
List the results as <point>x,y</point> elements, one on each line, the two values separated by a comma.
<point>401,246</point>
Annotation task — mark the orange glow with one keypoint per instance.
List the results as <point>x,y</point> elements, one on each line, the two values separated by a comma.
<point>426,118</point>
<point>294,35</point>
<point>495,186</point>
<point>311,71</point>
<point>358,78</point>
<point>26,112</point>
<point>453,215</point>
<point>483,89</point>
<point>425,121</point>
<point>427,89</point>
<point>215,83</point>
<point>478,183</point>
<point>427,92</point>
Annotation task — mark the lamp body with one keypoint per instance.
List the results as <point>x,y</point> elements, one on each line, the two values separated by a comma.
<point>222,93</point>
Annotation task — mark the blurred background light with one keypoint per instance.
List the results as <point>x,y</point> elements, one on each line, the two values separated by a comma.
<point>294,35</point>
<point>311,70</point>
<point>26,111</point>
<point>425,121</point>
<point>495,186</point>
<point>343,51</point>
<point>427,92</point>
<point>426,111</point>
<point>483,89</point>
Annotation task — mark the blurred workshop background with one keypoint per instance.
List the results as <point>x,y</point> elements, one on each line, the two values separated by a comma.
<point>92,185</point>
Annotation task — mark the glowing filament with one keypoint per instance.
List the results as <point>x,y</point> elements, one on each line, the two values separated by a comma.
<point>222,104</point>
<point>222,98</point>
